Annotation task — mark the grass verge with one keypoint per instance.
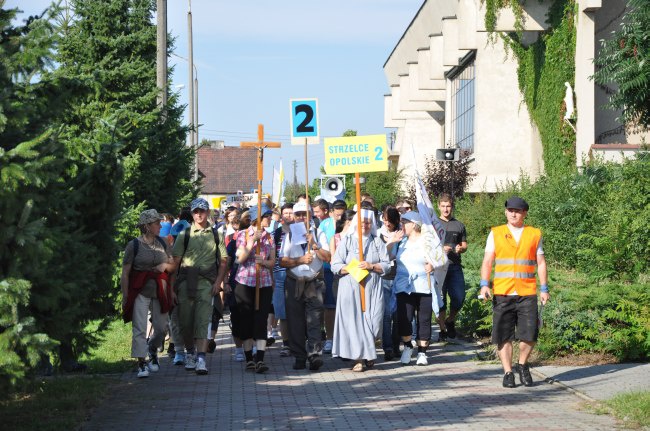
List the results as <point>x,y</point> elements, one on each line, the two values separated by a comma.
<point>113,355</point>
<point>632,408</point>
<point>53,404</point>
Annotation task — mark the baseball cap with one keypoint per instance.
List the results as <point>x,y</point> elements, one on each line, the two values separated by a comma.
<point>300,207</point>
<point>199,203</point>
<point>266,211</point>
<point>412,216</point>
<point>515,202</point>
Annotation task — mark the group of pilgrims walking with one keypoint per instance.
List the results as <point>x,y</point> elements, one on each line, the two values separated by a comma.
<point>296,278</point>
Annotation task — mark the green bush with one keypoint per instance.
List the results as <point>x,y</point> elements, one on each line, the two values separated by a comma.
<point>607,318</point>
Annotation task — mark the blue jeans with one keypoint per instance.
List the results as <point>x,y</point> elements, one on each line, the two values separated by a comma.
<point>454,286</point>
<point>390,335</point>
<point>278,295</point>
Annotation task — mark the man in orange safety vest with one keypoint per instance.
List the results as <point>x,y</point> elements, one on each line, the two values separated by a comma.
<point>516,250</point>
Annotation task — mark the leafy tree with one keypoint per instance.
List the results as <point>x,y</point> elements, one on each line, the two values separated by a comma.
<point>625,60</point>
<point>444,177</point>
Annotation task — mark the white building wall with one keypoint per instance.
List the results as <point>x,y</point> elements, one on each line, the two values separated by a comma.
<point>425,136</point>
<point>505,141</point>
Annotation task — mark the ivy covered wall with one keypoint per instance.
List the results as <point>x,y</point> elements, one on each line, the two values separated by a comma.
<point>543,68</point>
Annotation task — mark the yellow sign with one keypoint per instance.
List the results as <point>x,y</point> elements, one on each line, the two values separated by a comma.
<point>356,154</point>
<point>356,272</point>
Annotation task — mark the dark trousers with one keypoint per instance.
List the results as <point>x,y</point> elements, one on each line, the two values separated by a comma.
<point>407,306</point>
<point>252,323</point>
<point>304,317</point>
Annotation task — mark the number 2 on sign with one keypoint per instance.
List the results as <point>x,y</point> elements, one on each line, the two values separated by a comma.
<point>304,126</point>
<point>379,151</point>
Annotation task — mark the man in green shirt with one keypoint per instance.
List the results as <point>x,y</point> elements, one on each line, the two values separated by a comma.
<point>201,273</point>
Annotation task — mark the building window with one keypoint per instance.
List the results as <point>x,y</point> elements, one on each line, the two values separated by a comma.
<point>462,110</point>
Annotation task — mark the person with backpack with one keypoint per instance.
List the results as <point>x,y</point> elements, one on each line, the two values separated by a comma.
<point>199,269</point>
<point>253,319</point>
<point>145,288</point>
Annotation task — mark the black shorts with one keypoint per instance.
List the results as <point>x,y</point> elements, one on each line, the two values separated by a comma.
<point>514,317</point>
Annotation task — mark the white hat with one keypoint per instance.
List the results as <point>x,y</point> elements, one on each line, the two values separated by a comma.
<point>300,207</point>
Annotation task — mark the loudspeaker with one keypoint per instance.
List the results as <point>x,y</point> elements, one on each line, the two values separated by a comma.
<point>332,187</point>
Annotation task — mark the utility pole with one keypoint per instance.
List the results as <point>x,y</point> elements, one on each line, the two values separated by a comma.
<point>190,60</point>
<point>161,58</point>
<point>196,110</point>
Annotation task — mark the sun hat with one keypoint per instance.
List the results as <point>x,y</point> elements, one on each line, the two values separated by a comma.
<point>149,216</point>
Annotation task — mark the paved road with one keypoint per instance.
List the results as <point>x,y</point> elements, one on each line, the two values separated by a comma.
<point>454,392</point>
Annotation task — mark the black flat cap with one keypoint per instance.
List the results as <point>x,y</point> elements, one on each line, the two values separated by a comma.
<point>515,202</point>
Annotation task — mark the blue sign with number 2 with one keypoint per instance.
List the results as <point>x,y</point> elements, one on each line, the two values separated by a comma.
<point>304,118</point>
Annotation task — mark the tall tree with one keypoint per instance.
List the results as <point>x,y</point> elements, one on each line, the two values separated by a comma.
<point>31,168</point>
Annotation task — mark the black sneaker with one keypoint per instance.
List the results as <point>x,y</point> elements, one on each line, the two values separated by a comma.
<point>261,367</point>
<point>299,364</point>
<point>509,380</point>
<point>524,374</point>
<point>250,366</point>
<point>451,328</point>
<point>315,362</point>
<point>212,346</point>
<point>442,336</point>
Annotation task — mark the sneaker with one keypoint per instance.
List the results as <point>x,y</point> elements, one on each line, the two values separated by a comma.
<point>285,351</point>
<point>270,341</point>
<point>200,368</point>
<point>212,346</point>
<point>388,355</point>
<point>239,354</point>
<point>328,347</point>
<point>422,359</point>
<point>299,364</point>
<point>190,362</point>
<point>509,380</point>
<point>442,336</point>
<point>261,367</point>
<point>451,328</point>
<point>524,374</point>
<point>275,334</point>
<point>406,355</point>
<point>315,362</point>
<point>153,365</point>
<point>143,370</point>
<point>179,358</point>
<point>250,366</point>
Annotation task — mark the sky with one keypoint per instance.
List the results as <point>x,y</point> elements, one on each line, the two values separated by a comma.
<point>253,56</point>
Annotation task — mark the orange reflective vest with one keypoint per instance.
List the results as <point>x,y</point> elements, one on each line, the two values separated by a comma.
<point>514,272</point>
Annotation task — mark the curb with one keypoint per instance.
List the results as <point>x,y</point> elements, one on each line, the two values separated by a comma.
<point>552,381</point>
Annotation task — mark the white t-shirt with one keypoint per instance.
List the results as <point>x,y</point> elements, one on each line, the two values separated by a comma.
<point>296,250</point>
<point>516,234</point>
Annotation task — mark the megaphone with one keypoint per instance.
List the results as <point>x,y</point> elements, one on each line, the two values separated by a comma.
<point>332,187</point>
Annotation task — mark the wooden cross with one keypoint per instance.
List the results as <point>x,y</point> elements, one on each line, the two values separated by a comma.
<point>259,145</point>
